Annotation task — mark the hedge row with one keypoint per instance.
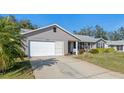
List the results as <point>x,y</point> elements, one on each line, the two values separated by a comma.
<point>102,50</point>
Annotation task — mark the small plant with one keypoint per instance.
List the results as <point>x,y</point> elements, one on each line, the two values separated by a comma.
<point>81,51</point>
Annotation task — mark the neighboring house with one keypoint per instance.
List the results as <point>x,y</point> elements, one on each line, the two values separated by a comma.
<point>87,42</point>
<point>54,40</point>
<point>117,45</point>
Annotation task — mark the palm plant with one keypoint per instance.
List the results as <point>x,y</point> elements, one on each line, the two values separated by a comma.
<point>11,46</point>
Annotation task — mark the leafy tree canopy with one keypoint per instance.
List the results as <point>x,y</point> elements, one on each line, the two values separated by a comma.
<point>99,32</point>
<point>11,45</point>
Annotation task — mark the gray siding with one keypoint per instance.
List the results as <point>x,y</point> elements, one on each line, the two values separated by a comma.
<point>49,35</point>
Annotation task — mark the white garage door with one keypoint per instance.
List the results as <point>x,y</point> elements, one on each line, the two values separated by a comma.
<point>42,48</point>
<point>46,48</point>
<point>59,48</point>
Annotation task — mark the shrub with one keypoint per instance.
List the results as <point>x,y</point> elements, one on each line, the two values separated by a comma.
<point>81,51</point>
<point>94,51</point>
<point>109,50</point>
<point>101,50</point>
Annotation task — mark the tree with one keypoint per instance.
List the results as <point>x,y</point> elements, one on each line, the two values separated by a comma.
<point>10,43</point>
<point>115,36</point>
<point>121,32</point>
<point>86,31</point>
<point>26,24</point>
<point>74,32</point>
<point>12,18</point>
<point>100,33</point>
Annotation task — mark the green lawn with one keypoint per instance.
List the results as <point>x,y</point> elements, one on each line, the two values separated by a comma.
<point>21,70</point>
<point>112,61</point>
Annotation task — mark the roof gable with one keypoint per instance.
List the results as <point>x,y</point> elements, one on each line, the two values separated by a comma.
<point>46,27</point>
<point>99,39</point>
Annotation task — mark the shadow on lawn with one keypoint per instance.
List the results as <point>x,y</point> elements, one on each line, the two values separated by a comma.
<point>20,70</point>
<point>39,64</point>
<point>20,66</point>
<point>24,70</point>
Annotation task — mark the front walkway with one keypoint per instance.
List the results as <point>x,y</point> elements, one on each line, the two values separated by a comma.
<point>68,67</point>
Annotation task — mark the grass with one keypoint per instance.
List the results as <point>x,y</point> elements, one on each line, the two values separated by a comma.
<point>111,61</point>
<point>21,70</point>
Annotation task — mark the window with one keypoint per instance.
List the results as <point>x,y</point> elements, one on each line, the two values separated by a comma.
<point>74,46</point>
<point>119,48</point>
<point>54,29</point>
<point>100,45</point>
<point>82,45</point>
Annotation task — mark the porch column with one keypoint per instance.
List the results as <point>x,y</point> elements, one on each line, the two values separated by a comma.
<point>115,47</point>
<point>76,47</point>
<point>123,48</point>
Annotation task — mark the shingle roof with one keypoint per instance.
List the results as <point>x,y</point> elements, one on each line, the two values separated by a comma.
<point>84,38</point>
<point>120,42</point>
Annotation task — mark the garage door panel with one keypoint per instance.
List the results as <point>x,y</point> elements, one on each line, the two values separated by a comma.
<point>42,48</point>
<point>46,48</point>
<point>59,48</point>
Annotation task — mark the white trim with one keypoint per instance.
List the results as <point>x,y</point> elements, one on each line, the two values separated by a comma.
<point>123,48</point>
<point>100,40</point>
<point>38,29</point>
<point>76,47</point>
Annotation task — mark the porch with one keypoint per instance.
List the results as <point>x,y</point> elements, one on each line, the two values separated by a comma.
<point>74,46</point>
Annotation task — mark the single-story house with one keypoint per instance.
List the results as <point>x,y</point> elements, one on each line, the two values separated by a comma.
<point>53,40</point>
<point>88,42</point>
<point>117,45</point>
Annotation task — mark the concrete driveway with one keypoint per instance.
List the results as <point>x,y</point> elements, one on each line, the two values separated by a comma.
<point>66,67</point>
